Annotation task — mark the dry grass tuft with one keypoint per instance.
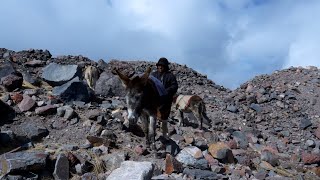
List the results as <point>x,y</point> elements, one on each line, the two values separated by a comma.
<point>98,165</point>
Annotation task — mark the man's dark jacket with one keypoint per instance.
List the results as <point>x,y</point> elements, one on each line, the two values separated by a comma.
<point>169,81</point>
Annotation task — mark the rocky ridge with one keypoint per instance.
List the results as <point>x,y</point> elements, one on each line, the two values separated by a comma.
<point>54,127</point>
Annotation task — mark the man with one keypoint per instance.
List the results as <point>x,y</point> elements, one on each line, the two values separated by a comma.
<point>170,83</point>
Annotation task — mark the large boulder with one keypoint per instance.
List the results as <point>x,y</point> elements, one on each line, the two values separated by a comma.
<point>109,85</point>
<point>56,74</point>
<point>74,90</point>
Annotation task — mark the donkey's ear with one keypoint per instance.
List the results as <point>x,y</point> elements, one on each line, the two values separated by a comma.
<point>147,73</point>
<point>145,76</point>
<point>124,79</point>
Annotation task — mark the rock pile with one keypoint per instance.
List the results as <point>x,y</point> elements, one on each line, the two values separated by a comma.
<point>53,126</point>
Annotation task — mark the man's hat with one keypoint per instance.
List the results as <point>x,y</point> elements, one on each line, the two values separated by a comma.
<point>163,62</point>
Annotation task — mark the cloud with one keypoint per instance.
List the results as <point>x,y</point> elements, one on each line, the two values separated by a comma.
<point>230,41</point>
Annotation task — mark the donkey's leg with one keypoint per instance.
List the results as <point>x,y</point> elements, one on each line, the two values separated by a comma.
<point>164,128</point>
<point>152,131</point>
<point>198,114</point>
<point>145,127</point>
<point>180,118</point>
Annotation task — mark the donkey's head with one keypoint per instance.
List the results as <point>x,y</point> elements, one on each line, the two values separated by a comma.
<point>135,91</point>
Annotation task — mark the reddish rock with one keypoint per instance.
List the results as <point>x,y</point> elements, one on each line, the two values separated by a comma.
<point>210,159</point>
<point>45,110</point>
<point>26,104</point>
<point>140,150</point>
<point>189,140</point>
<point>172,165</point>
<point>273,150</point>
<point>249,88</point>
<point>316,170</point>
<point>221,151</point>
<point>16,97</point>
<point>308,158</point>
<point>285,140</point>
<point>232,144</point>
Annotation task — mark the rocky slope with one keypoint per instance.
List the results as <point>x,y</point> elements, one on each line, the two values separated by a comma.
<point>54,127</point>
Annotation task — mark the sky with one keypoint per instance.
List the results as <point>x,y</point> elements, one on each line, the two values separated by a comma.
<point>230,41</point>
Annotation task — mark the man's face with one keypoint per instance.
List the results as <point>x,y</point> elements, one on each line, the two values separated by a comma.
<point>160,68</point>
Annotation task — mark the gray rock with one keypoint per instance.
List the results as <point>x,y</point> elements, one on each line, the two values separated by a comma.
<point>66,111</point>
<point>232,109</point>
<point>61,111</point>
<point>241,139</point>
<point>61,169</point>
<point>70,147</point>
<point>30,131</point>
<point>22,161</point>
<point>310,143</point>
<point>114,160</point>
<point>200,174</point>
<point>29,78</point>
<point>285,133</point>
<point>6,69</point>
<point>93,114</point>
<point>79,104</point>
<point>186,158</point>
<point>305,123</point>
<point>131,170</point>
<point>270,158</point>
<point>256,107</point>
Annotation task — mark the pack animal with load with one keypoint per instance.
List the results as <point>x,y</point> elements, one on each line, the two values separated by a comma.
<point>191,104</point>
<point>143,102</point>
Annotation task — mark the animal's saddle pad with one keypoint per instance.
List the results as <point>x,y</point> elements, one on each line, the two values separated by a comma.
<point>183,101</point>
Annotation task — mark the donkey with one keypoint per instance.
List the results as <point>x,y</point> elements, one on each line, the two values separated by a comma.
<point>143,102</point>
<point>188,104</point>
<point>91,74</point>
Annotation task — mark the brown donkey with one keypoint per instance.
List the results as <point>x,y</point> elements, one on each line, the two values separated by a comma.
<point>143,102</point>
<point>194,104</point>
